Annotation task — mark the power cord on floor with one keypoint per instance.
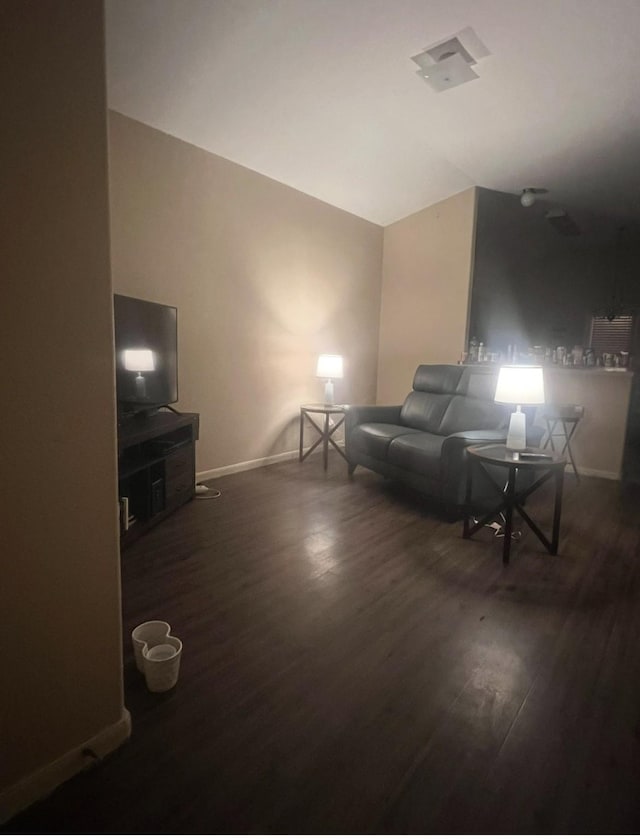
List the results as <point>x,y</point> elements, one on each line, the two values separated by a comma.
<point>498,528</point>
<point>204,492</point>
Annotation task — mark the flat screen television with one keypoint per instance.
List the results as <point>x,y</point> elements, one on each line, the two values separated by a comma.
<point>146,341</point>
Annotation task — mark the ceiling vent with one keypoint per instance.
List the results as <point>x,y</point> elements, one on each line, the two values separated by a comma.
<point>562,222</point>
<point>449,63</point>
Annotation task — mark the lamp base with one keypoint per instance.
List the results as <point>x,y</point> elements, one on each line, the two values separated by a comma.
<point>517,436</point>
<point>328,392</point>
<point>141,386</point>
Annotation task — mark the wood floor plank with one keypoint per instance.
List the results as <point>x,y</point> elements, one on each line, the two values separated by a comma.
<point>352,665</point>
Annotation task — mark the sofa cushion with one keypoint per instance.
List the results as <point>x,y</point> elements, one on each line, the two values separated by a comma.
<point>373,438</point>
<point>467,414</point>
<point>424,411</point>
<point>418,452</point>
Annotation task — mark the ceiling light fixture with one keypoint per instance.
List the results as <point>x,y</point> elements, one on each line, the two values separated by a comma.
<point>529,194</point>
<point>448,63</point>
<point>448,72</point>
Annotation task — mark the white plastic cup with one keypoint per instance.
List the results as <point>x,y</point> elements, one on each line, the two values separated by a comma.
<point>149,634</point>
<point>162,664</point>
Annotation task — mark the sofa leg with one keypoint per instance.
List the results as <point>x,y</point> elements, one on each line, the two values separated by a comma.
<point>452,512</point>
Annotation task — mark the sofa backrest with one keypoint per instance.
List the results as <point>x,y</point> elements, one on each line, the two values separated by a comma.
<point>478,382</point>
<point>424,411</point>
<point>448,398</point>
<point>433,387</point>
<point>465,413</point>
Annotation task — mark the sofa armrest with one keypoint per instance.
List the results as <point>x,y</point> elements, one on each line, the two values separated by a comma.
<point>462,439</point>
<point>453,462</point>
<point>357,414</point>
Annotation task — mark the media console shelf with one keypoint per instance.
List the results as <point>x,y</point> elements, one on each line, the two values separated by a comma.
<point>156,469</point>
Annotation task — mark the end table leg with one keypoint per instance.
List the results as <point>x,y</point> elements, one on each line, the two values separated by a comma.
<point>325,441</point>
<point>508,514</point>
<point>557,511</point>
<point>301,434</point>
<point>467,499</point>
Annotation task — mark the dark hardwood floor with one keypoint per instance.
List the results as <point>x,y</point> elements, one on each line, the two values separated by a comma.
<point>352,665</point>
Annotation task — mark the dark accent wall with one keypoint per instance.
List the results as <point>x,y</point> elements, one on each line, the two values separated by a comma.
<point>532,285</point>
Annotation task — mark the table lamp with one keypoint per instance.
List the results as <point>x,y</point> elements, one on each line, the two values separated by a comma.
<point>329,367</point>
<point>142,362</point>
<point>519,386</point>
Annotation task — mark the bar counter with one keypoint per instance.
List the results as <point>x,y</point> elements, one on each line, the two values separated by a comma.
<point>604,393</point>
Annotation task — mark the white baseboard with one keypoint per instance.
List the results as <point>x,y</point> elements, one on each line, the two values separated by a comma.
<point>597,473</point>
<point>246,465</point>
<point>43,781</point>
<point>279,458</point>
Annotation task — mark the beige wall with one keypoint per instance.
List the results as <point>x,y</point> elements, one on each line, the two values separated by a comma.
<point>60,591</point>
<point>264,278</point>
<point>426,275</point>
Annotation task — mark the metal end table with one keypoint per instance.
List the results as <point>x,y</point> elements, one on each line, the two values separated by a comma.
<point>326,431</point>
<point>543,465</point>
<point>568,416</point>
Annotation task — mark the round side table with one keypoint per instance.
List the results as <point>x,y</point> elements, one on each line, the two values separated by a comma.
<point>541,465</point>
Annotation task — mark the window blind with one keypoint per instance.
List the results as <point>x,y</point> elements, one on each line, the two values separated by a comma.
<point>611,336</point>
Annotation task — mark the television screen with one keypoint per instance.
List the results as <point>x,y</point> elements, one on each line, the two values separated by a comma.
<point>146,339</point>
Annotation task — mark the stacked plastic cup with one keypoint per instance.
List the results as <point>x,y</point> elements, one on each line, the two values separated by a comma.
<point>157,654</point>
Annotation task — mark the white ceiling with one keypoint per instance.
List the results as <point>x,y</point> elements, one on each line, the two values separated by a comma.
<point>322,95</point>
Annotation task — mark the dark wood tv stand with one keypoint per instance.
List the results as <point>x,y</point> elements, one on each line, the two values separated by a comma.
<point>156,468</point>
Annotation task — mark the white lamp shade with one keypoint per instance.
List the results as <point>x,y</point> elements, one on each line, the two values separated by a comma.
<point>329,367</point>
<point>520,386</point>
<point>140,360</point>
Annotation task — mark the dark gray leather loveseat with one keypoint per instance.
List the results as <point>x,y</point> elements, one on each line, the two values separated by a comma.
<point>422,442</point>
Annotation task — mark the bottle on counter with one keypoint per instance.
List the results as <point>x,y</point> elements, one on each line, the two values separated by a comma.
<point>480,353</point>
<point>473,350</point>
